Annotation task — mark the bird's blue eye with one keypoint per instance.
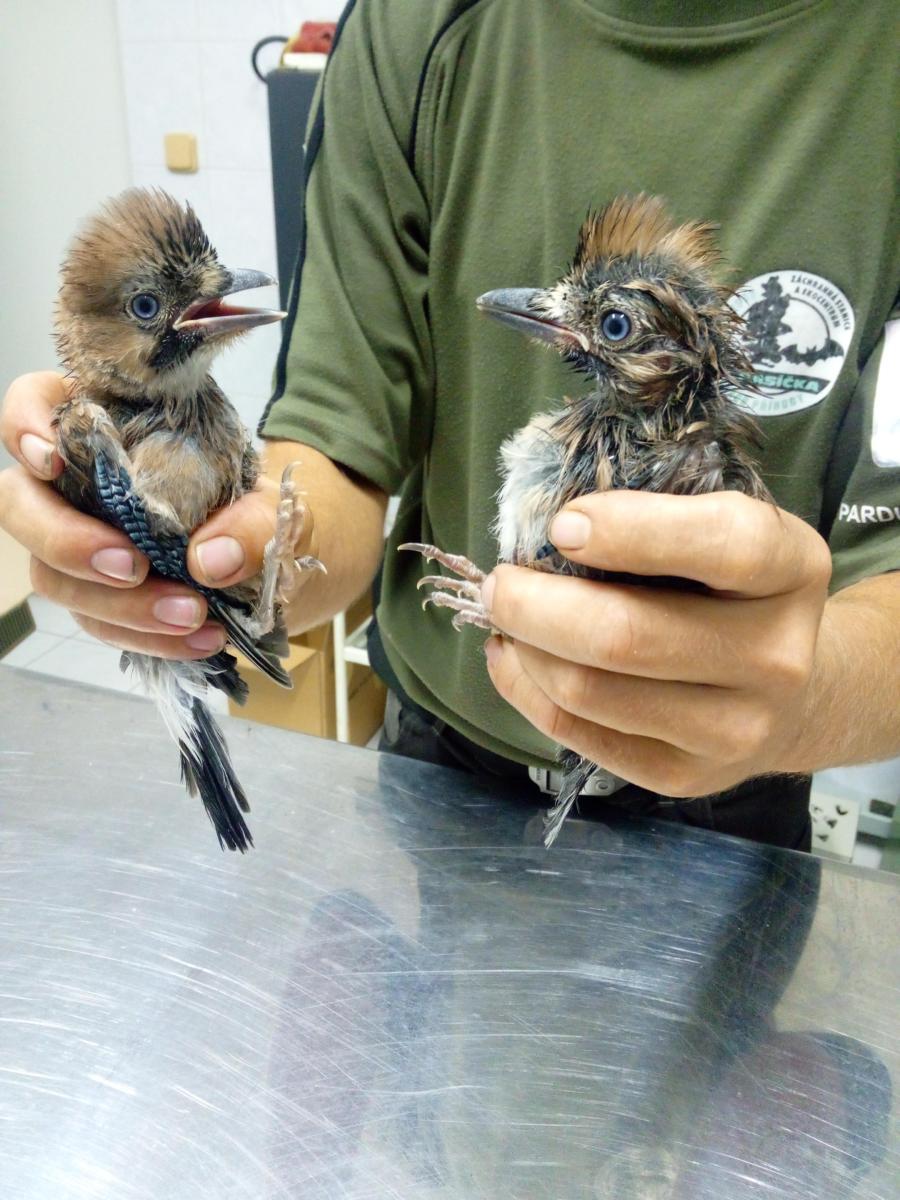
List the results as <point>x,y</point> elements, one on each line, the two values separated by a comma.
<point>615,326</point>
<point>144,306</point>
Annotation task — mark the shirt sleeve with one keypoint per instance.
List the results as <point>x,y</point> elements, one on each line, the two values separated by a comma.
<point>865,529</point>
<point>354,377</point>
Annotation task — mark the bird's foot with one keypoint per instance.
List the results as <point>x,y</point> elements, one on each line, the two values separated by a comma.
<point>457,563</point>
<point>289,525</point>
<point>281,568</point>
<point>462,595</point>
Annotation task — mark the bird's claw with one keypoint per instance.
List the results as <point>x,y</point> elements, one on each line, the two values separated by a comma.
<point>281,565</point>
<point>310,563</point>
<point>461,587</point>
<point>465,612</point>
<point>457,563</point>
<point>462,595</point>
<point>289,524</point>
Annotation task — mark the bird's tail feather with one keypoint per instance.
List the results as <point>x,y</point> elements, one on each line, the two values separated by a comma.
<point>264,652</point>
<point>224,675</point>
<point>577,772</point>
<point>206,769</point>
<point>179,689</point>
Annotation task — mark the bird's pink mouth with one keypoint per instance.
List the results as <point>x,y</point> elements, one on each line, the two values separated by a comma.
<point>542,328</point>
<point>216,317</point>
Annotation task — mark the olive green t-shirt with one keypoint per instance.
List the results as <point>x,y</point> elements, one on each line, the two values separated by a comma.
<point>456,147</point>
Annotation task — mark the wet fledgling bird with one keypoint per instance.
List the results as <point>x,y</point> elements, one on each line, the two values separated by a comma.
<point>643,313</point>
<point>152,446</point>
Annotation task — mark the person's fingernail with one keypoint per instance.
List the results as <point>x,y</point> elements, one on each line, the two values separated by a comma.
<point>116,563</point>
<point>493,648</point>
<point>570,530</point>
<point>37,452</point>
<point>210,638</point>
<point>220,557</point>
<point>182,611</point>
<point>487,592</point>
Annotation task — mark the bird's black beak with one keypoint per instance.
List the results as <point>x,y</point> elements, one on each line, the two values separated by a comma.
<point>214,318</point>
<point>516,307</point>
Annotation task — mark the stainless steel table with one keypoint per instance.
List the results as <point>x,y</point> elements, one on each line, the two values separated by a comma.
<point>401,994</point>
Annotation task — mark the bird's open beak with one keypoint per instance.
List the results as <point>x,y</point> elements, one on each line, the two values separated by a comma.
<point>515,307</point>
<point>214,318</point>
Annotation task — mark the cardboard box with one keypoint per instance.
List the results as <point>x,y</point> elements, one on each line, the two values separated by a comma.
<point>310,707</point>
<point>16,621</point>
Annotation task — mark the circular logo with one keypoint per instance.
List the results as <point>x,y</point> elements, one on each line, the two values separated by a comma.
<point>797,330</point>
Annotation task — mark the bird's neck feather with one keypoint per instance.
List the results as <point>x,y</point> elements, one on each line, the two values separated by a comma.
<point>203,414</point>
<point>610,416</point>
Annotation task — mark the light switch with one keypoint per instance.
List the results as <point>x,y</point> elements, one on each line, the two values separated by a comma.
<point>181,152</point>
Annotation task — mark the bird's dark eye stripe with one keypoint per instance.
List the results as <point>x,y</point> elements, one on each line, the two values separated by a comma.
<point>144,306</point>
<point>615,326</point>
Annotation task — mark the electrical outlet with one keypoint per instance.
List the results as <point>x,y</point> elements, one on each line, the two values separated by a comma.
<point>835,820</point>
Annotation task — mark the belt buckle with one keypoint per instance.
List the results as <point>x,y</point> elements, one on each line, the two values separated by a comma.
<point>603,783</point>
<point>542,778</point>
<point>600,783</point>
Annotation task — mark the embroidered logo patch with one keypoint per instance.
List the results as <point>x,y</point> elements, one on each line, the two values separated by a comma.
<point>798,328</point>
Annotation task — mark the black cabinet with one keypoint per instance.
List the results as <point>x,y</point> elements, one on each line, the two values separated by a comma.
<point>290,100</point>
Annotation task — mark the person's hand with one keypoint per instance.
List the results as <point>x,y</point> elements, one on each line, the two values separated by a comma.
<point>682,693</point>
<point>91,568</point>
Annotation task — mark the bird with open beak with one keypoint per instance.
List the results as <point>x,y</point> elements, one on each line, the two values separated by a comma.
<point>643,314</point>
<point>152,446</point>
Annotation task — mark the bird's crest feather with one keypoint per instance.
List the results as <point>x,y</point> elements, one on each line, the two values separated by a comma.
<point>141,226</point>
<point>638,226</point>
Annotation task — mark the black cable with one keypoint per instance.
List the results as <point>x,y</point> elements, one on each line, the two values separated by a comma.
<point>266,41</point>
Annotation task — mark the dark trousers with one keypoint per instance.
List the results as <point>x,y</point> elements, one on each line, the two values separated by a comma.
<point>772,809</point>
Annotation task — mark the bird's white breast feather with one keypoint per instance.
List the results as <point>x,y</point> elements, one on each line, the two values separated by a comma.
<point>531,464</point>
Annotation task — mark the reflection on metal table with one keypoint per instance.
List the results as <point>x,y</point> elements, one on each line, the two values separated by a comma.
<point>399,993</point>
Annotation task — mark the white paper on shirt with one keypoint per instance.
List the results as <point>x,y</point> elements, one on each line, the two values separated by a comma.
<point>886,408</point>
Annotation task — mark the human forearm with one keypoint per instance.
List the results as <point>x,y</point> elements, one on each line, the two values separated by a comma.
<point>346,531</point>
<point>851,712</point>
<point>343,528</point>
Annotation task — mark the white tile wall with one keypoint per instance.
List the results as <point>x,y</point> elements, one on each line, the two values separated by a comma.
<point>59,648</point>
<point>235,101</point>
<point>140,22</point>
<point>186,67</point>
<point>162,93</point>
<point>244,370</point>
<point>241,203</point>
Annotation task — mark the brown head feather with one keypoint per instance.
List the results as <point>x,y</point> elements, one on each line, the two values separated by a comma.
<point>142,240</point>
<point>140,230</point>
<point>638,226</point>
